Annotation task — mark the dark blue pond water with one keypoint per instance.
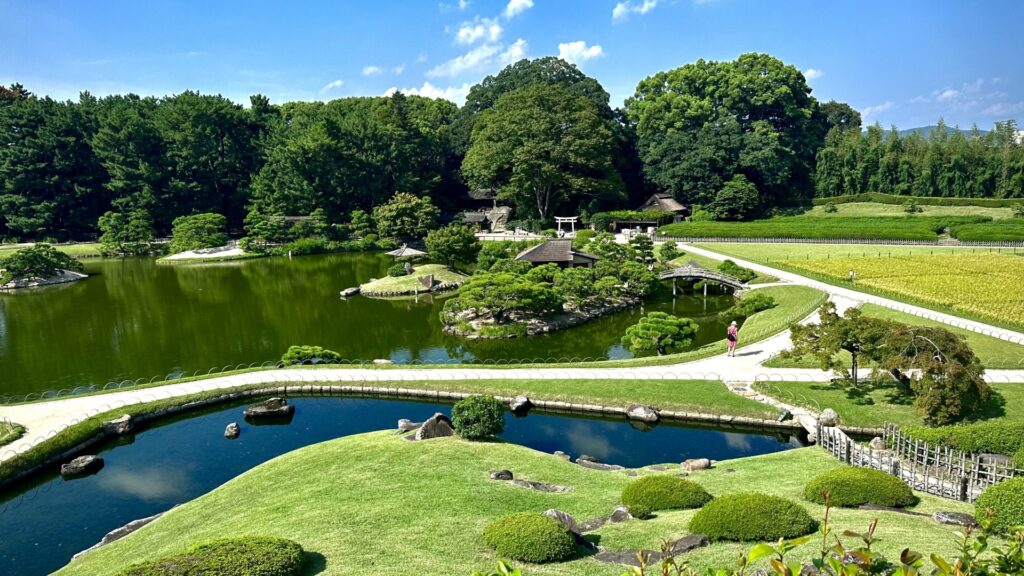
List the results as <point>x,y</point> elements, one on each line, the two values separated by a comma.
<point>47,522</point>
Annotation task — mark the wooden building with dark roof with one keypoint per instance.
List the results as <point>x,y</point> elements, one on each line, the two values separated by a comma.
<point>557,251</point>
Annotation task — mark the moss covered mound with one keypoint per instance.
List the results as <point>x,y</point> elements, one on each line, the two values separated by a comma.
<point>252,556</point>
<point>752,517</point>
<point>1005,501</point>
<point>653,493</point>
<point>530,537</point>
<point>848,487</point>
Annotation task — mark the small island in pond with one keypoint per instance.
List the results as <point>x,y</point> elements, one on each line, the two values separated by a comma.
<point>423,278</point>
<point>39,265</point>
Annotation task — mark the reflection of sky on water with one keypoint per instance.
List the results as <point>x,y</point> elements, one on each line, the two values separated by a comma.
<point>181,460</point>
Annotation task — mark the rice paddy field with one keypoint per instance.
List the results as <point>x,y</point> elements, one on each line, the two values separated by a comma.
<point>987,285</point>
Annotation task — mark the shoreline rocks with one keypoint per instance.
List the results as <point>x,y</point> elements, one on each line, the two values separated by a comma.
<point>82,466</point>
<point>119,426</point>
<point>270,408</point>
<point>232,430</point>
<point>118,533</point>
<point>437,426</point>
<point>642,413</point>
<point>535,326</point>
<point>695,464</point>
<point>64,277</point>
<point>348,292</point>
<point>520,405</point>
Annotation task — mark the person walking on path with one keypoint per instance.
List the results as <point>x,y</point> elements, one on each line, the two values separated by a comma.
<point>732,336</point>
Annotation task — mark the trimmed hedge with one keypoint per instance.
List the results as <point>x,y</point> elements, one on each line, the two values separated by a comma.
<point>310,355</point>
<point>851,486</point>
<point>250,556</point>
<point>925,228</point>
<point>752,517</point>
<point>530,537</point>
<point>1006,501</point>
<point>998,231</point>
<point>653,493</point>
<point>995,437</point>
<point>880,198</point>
<point>478,417</point>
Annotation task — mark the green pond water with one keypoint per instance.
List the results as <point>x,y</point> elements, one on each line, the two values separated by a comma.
<point>135,319</point>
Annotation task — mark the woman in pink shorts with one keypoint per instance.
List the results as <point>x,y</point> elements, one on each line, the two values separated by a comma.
<point>732,336</point>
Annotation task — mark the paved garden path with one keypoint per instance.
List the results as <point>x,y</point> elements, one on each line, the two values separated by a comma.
<point>43,419</point>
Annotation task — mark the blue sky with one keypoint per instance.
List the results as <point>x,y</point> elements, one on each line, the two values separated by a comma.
<point>906,62</point>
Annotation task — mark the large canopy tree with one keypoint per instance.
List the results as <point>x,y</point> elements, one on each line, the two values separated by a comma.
<point>700,124</point>
<point>540,145</point>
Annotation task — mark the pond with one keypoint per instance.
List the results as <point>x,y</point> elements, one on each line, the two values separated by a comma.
<point>136,319</point>
<point>50,520</point>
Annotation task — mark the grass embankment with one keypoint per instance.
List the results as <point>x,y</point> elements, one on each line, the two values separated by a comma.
<point>707,396</point>
<point>83,250</point>
<point>879,198</point>
<point>410,284</point>
<point>877,209</point>
<point>9,432</point>
<point>993,352</point>
<point>983,285</point>
<point>359,502</point>
<point>920,228</point>
<point>872,405</point>
<point>212,259</point>
<point>773,254</point>
<point>712,264</point>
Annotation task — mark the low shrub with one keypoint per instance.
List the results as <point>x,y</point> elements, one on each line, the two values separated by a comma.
<point>752,517</point>
<point>995,437</point>
<point>530,537</point>
<point>736,271</point>
<point>912,208</point>
<point>653,493</point>
<point>306,246</point>
<point>478,417</point>
<point>750,305</point>
<point>310,355</point>
<point>851,486</point>
<point>396,270</point>
<point>582,238</point>
<point>250,556</point>
<point>1005,501</point>
<point>830,207</point>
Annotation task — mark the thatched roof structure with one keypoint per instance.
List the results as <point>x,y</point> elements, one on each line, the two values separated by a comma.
<point>404,251</point>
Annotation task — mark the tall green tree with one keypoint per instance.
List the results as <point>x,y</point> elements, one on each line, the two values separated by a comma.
<point>863,337</point>
<point>453,244</point>
<point>659,332</point>
<point>406,217</point>
<point>128,234</point>
<point>540,146</point>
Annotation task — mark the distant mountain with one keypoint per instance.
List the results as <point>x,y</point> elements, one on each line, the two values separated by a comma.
<point>926,131</point>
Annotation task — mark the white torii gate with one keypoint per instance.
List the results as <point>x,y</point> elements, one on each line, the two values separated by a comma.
<point>571,220</point>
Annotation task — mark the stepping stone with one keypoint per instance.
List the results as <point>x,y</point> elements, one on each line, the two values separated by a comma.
<point>540,486</point>
<point>955,519</point>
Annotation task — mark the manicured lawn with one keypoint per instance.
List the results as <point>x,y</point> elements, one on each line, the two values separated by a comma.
<point>377,504</point>
<point>83,250</point>
<point>773,253</point>
<point>905,227</point>
<point>874,209</point>
<point>872,405</point>
<point>411,282</point>
<point>993,352</point>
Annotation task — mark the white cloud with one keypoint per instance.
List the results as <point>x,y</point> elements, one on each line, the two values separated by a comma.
<point>463,4</point>
<point>372,71</point>
<point>456,94</point>
<point>480,58</point>
<point>486,29</point>
<point>516,7</point>
<point>398,69</point>
<point>878,109</point>
<point>622,10</point>
<point>578,51</point>
<point>331,86</point>
<point>812,73</point>
<point>947,95</point>
<point>515,52</point>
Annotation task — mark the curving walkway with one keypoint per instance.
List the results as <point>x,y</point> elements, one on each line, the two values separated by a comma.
<point>43,419</point>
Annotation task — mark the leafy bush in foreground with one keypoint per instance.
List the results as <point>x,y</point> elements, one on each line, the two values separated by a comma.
<point>752,517</point>
<point>310,355</point>
<point>851,486</point>
<point>250,556</point>
<point>1005,501</point>
<point>478,417</point>
<point>530,537</point>
<point>653,493</point>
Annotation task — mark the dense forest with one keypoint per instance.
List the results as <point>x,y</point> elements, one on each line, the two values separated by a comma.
<point>737,138</point>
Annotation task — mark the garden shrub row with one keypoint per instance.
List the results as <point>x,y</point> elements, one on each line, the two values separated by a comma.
<point>996,437</point>
<point>250,556</point>
<point>602,220</point>
<point>849,487</point>
<point>653,493</point>
<point>997,231</point>
<point>530,537</point>
<point>880,198</point>
<point>923,228</point>
<point>752,517</point>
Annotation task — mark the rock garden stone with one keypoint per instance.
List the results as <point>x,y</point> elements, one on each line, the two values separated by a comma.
<point>540,486</point>
<point>695,464</point>
<point>562,455</point>
<point>501,475</point>
<point>955,519</point>
<point>621,514</point>
<point>119,426</point>
<point>641,413</point>
<point>437,426</point>
<point>594,524</point>
<point>270,408</point>
<point>676,548</point>
<point>586,458</point>
<point>877,443</point>
<point>565,519</point>
<point>892,509</point>
<point>405,425</point>
<point>82,466</point>
<point>828,417</point>
<point>598,466</point>
<point>784,415</point>
<point>232,430</point>
<point>520,405</point>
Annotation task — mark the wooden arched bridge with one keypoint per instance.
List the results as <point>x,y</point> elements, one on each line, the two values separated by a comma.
<point>694,271</point>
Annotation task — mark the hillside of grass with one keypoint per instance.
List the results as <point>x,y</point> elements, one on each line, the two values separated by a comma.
<point>410,283</point>
<point>810,226</point>
<point>375,503</point>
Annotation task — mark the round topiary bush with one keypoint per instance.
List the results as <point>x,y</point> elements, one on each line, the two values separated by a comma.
<point>396,270</point>
<point>752,517</point>
<point>478,417</point>
<point>530,537</point>
<point>662,492</point>
<point>851,486</point>
<point>1006,503</point>
<point>250,556</point>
